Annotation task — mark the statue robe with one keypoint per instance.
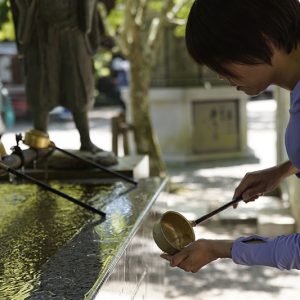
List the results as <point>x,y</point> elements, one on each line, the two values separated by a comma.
<point>58,39</point>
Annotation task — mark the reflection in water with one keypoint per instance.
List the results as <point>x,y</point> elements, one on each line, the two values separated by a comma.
<point>139,269</point>
<point>115,229</point>
<point>34,225</point>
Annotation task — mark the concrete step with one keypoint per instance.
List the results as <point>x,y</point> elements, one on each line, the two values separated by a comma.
<point>279,223</point>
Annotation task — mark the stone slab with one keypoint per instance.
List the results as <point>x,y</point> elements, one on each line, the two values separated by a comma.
<point>136,167</point>
<point>276,224</point>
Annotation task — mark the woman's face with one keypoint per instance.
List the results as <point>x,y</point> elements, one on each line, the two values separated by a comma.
<point>251,79</point>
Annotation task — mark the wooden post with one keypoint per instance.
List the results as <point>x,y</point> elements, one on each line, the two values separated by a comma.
<point>115,134</point>
<point>120,127</point>
<point>124,130</point>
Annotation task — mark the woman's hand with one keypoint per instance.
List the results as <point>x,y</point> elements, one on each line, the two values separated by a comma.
<point>199,253</point>
<point>256,184</point>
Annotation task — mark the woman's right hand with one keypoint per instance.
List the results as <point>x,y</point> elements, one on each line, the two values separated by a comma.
<point>256,184</point>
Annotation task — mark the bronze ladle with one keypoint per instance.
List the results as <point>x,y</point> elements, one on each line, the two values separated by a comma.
<point>173,231</point>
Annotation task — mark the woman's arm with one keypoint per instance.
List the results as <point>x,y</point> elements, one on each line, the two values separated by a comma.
<point>282,252</point>
<point>255,184</point>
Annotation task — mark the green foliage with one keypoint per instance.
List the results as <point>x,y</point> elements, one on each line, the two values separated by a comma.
<point>156,5</point>
<point>184,11</point>
<point>102,63</point>
<point>7,32</point>
<point>115,19</point>
<point>179,30</point>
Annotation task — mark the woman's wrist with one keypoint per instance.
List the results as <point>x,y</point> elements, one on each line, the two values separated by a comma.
<point>222,248</point>
<point>287,169</point>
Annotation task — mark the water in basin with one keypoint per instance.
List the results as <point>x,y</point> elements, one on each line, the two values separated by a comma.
<point>34,224</point>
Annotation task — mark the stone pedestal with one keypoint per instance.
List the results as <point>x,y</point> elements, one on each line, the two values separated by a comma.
<point>197,124</point>
<point>132,166</point>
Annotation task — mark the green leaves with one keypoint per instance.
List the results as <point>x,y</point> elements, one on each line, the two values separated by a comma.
<point>7,32</point>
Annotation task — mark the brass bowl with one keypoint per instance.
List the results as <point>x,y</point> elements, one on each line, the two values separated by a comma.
<point>173,232</point>
<point>37,139</point>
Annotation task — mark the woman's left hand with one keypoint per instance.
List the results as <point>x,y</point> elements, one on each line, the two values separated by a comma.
<point>198,254</point>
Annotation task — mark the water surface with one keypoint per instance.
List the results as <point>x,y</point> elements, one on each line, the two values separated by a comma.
<point>34,224</point>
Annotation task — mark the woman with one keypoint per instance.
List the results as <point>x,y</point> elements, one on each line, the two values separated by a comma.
<point>252,44</point>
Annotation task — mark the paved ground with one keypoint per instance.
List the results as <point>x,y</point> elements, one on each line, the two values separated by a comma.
<point>197,188</point>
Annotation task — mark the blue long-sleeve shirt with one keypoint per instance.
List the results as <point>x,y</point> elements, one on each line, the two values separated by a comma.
<point>282,252</point>
<point>292,136</point>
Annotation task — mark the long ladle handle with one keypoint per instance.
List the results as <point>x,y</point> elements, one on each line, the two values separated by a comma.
<point>216,211</point>
<point>49,188</point>
<point>117,174</point>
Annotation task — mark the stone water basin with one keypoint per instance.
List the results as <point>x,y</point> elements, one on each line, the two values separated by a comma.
<point>51,248</point>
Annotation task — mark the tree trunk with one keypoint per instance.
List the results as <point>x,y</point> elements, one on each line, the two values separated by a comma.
<point>145,138</point>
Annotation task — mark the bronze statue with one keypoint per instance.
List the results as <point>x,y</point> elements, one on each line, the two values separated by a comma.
<point>58,39</point>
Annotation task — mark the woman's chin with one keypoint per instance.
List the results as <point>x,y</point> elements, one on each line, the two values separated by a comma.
<point>249,92</point>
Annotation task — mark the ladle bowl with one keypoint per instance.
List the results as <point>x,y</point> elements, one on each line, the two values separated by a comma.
<point>173,232</point>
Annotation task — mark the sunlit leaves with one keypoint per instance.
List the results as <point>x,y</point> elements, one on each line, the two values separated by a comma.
<point>156,5</point>
<point>102,62</point>
<point>7,32</point>
<point>6,24</point>
<point>115,18</point>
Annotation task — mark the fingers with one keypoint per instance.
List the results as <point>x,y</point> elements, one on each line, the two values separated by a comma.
<point>193,257</point>
<point>244,184</point>
<point>235,205</point>
<point>252,194</point>
<point>178,260</point>
<point>175,260</point>
<point>249,186</point>
<point>185,265</point>
<point>254,184</point>
<point>249,189</point>
<point>249,199</point>
<point>166,256</point>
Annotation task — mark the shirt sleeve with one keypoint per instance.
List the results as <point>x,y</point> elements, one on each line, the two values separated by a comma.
<point>282,252</point>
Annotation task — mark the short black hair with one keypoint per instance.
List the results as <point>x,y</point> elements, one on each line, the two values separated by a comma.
<point>224,31</point>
